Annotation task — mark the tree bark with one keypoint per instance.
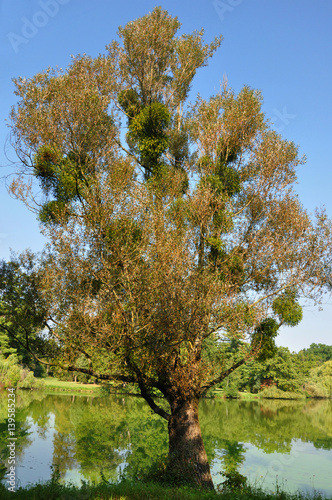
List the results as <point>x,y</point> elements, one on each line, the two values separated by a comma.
<point>187,460</point>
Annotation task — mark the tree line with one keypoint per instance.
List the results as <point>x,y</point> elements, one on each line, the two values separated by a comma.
<point>307,373</point>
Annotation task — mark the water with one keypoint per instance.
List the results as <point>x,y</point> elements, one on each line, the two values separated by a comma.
<point>284,444</point>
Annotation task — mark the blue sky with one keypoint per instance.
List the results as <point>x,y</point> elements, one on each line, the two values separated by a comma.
<point>281,47</point>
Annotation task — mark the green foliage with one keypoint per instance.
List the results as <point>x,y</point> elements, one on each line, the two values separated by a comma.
<point>217,251</point>
<point>221,183</point>
<point>6,343</point>
<point>318,353</point>
<point>230,181</point>
<point>283,369</point>
<point>324,370</point>
<point>14,375</point>
<point>274,393</point>
<point>148,128</point>
<point>52,211</point>
<point>127,490</point>
<point>320,380</point>
<point>234,481</point>
<point>316,390</point>
<point>284,372</point>
<point>263,339</point>
<point>231,391</point>
<point>130,103</point>
<point>148,136</point>
<point>58,176</point>
<point>287,308</point>
<point>22,308</point>
<point>46,163</point>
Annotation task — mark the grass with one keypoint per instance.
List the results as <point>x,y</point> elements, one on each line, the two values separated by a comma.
<point>270,393</point>
<point>53,384</point>
<point>220,394</point>
<point>248,395</point>
<point>53,490</point>
<point>124,491</point>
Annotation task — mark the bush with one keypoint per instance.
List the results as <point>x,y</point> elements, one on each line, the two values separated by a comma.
<point>13,375</point>
<point>316,390</point>
<point>274,393</point>
<point>231,392</point>
<point>30,382</point>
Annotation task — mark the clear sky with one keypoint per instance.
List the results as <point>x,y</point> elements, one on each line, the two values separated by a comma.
<point>282,47</point>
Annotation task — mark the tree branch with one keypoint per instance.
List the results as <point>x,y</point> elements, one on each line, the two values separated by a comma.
<point>145,393</point>
<point>148,398</point>
<point>225,374</point>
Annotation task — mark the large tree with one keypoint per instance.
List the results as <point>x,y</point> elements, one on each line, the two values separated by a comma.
<point>173,227</point>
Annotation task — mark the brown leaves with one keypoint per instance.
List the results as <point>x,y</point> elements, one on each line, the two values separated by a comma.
<point>156,63</point>
<point>65,109</point>
<point>227,125</point>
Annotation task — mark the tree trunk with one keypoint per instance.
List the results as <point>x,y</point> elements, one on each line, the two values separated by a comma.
<point>187,460</point>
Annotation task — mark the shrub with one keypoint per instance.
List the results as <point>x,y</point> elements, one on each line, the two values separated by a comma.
<point>13,375</point>
<point>316,390</point>
<point>274,393</point>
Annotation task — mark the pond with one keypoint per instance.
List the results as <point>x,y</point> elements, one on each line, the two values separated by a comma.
<point>271,442</point>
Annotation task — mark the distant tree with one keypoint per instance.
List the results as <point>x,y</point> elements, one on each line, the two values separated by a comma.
<point>23,311</point>
<point>282,370</point>
<point>318,353</point>
<point>188,230</point>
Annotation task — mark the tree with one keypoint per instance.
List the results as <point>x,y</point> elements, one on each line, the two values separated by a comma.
<point>22,309</point>
<point>318,353</point>
<point>281,370</point>
<point>184,232</point>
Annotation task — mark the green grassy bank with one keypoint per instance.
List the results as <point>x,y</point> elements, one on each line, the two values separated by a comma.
<point>140,491</point>
<point>53,384</point>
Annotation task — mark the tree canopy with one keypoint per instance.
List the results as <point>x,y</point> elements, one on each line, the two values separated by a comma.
<point>171,224</point>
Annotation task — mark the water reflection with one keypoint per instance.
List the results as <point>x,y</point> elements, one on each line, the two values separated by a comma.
<point>272,441</point>
<point>269,441</point>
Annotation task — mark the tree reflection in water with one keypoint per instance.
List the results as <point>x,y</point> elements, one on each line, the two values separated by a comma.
<point>119,434</point>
